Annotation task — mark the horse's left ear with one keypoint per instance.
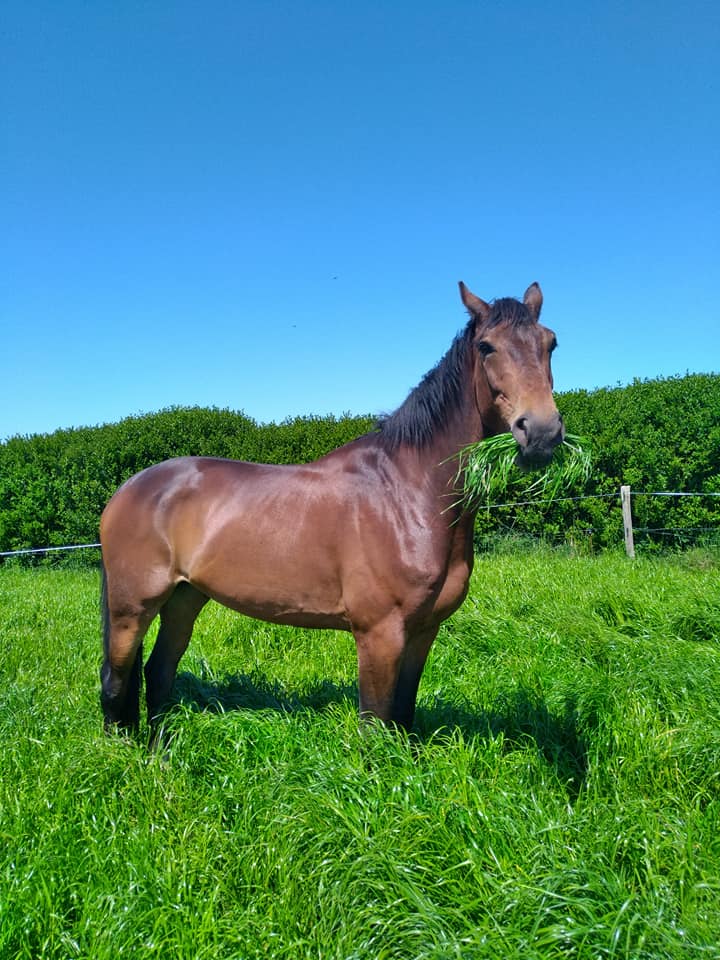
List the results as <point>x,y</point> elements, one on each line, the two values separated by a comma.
<point>476,307</point>
<point>533,299</point>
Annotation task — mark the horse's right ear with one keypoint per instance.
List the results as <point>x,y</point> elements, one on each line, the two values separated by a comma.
<point>476,307</point>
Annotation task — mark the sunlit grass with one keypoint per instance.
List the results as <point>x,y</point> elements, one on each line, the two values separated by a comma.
<point>561,797</point>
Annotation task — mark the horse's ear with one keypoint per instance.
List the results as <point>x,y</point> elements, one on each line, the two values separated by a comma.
<point>533,299</point>
<point>476,307</point>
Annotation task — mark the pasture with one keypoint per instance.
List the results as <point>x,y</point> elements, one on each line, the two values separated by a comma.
<point>561,796</point>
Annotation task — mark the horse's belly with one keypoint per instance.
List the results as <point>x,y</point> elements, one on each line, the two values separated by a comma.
<point>289,615</point>
<point>299,585</point>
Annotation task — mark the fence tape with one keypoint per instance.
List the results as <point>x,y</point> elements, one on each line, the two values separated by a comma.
<point>77,546</point>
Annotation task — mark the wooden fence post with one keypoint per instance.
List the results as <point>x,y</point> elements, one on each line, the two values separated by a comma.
<point>627,521</point>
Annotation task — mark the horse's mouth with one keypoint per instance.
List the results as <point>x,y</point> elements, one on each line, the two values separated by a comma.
<point>536,459</point>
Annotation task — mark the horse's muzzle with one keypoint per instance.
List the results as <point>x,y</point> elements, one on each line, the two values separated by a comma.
<point>537,438</point>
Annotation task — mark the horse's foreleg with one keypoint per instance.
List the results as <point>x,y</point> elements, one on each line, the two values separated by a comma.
<point>390,665</point>
<point>380,651</point>
<point>177,618</point>
<point>411,669</point>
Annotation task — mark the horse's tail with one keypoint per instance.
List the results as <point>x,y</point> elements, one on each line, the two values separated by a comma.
<point>120,709</point>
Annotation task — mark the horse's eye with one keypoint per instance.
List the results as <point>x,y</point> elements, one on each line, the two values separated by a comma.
<point>485,348</point>
<point>553,344</point>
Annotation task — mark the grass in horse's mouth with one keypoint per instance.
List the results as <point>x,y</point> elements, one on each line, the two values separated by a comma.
<point>488,468</point>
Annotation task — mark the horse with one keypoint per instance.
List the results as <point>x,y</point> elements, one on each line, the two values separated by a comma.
<point>371,538</point>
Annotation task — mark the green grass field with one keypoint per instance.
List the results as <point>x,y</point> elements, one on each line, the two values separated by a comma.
<point>561,799</point>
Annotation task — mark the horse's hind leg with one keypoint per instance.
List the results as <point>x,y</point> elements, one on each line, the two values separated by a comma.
<point>120,689</point>
<point>121,672</point>
<point>177,618</point>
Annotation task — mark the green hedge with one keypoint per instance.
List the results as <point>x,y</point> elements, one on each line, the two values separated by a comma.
<point>656,435</point>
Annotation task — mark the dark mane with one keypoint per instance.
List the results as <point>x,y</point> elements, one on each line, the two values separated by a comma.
<point>506,309</point>
<point>431,404</point>
<point>433,401</point>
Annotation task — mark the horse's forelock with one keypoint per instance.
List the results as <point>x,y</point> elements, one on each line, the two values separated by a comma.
<point>509,310</point>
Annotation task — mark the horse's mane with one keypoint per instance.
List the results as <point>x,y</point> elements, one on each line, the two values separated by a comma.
<point>431,405</point>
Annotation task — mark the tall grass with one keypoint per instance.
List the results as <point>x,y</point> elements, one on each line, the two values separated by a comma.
<point>561,797</point>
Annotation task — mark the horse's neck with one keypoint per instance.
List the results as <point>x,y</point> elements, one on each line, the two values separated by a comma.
<point>438,462</point>
<point>464,428</point>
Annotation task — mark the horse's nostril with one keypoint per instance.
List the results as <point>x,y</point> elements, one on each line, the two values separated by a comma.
<point>520,430</point>
<point>538,437</point>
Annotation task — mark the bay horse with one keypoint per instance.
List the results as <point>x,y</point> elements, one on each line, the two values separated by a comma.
<point>371,538</point>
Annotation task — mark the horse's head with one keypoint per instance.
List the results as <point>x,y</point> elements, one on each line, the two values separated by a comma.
<point>513,379</point>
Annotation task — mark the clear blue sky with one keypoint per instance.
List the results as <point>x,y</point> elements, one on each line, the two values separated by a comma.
<point>267,205</point>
